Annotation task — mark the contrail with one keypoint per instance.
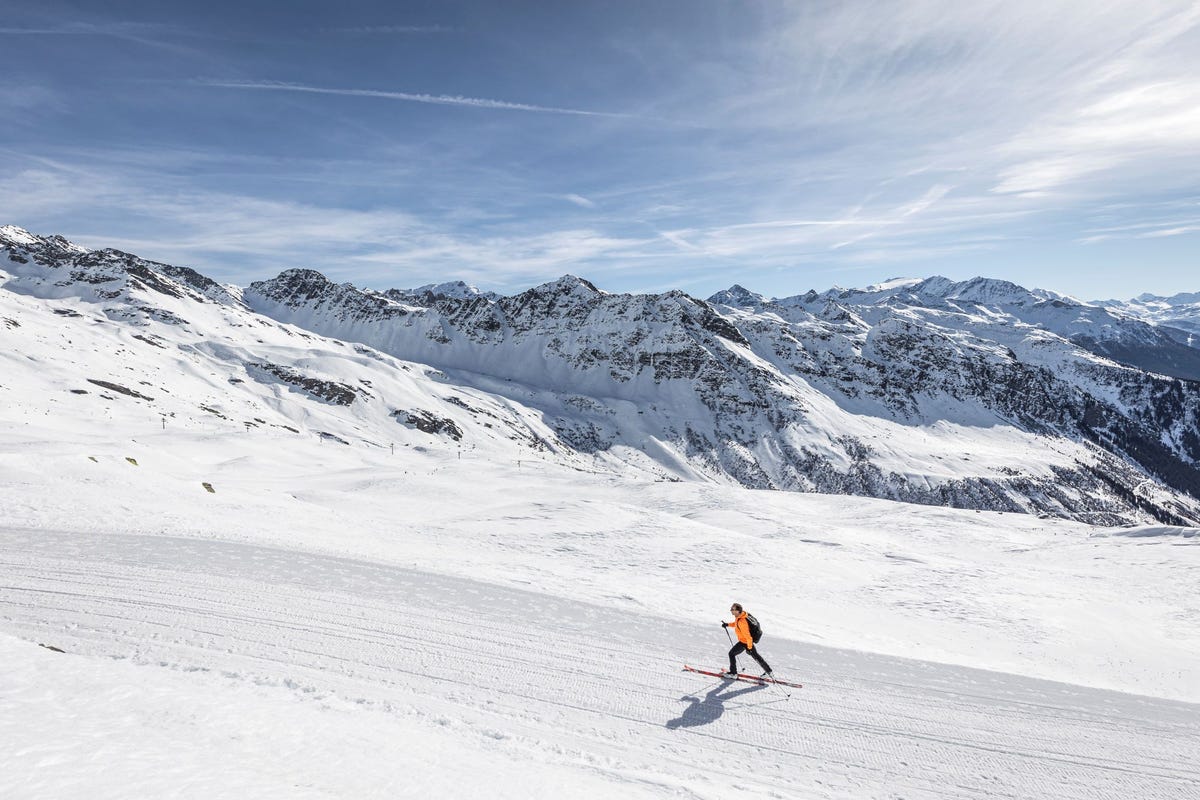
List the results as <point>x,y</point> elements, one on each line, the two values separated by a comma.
<point>435,99</point>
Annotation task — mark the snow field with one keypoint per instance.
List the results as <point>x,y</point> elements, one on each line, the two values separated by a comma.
<point>1010,592</point>
<point>212,668</point>
<point>93,727</point>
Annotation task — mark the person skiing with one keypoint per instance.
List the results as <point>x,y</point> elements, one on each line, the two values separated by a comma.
<point>745,642</point>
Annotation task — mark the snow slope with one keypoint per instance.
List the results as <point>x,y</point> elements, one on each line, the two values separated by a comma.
<point>306,675</point>
<point>337,621</point>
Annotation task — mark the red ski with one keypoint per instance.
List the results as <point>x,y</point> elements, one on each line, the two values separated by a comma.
<point>763,679</point>
<point>742,676</point>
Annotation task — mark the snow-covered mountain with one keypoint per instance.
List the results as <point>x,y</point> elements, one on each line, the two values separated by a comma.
<point>979,394</point>
<point>1126,333</point>
<point>1178,314</point>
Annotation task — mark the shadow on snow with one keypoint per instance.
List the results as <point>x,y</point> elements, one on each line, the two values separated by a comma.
<point>709,710</point>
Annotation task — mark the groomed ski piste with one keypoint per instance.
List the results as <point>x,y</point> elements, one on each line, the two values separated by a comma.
<point>340,622</point>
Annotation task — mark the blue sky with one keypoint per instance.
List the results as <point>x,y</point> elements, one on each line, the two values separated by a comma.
<point>643,145</point>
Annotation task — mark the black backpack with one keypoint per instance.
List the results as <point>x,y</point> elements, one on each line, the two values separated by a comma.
<point>755,628</point>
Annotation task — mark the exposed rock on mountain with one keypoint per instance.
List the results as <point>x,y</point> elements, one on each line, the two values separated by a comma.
<point>977,394</point>
<point>429,422</point>
<point>52,267</point>
<point>330,391</point>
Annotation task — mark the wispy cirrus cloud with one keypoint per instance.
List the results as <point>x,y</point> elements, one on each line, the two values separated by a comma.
<point>84,29</point>
<point>369,30</point>
<point>1157,229</point>
<point>1119,128</point>
<point>409,97</point>
<point>24,97</point>
<point>149,34</point>
<point>904,228</point>
<point>240,238</point>
<point>917,130</point>
<point>579,200</point>
<point>1176,231</point>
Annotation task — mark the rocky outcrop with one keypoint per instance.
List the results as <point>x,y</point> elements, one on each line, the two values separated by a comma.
<point>429,422</point>
<point>330,391</point>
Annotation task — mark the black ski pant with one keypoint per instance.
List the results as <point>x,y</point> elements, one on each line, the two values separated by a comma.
<point>740,648</point>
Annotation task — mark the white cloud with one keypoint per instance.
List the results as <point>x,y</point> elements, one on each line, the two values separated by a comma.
<point>1178,231</point>
<point>1035,178</point>
<point>579,200</point>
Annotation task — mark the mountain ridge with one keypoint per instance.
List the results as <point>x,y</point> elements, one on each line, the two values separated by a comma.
<point>920,392</point>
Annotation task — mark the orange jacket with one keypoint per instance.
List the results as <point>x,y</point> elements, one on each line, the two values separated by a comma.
<point>742,629</point>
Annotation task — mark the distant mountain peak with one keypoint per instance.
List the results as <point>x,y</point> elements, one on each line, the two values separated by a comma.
<point>738,296</point>
<point>54,246</point>
<point>14,235</point>
<point>299,281</point>
<point>893,283</point>
<point>455,289</point>
<point>570,284</point>
<point>302,274</point>
<point>978,290</point>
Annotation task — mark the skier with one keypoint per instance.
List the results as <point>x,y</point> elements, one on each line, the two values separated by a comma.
<point>745,642</point>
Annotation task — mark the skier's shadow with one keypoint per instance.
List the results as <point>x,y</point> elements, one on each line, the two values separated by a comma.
<point>709,710</point>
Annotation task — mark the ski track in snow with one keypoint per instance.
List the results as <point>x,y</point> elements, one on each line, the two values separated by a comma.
<point>548,685</point>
